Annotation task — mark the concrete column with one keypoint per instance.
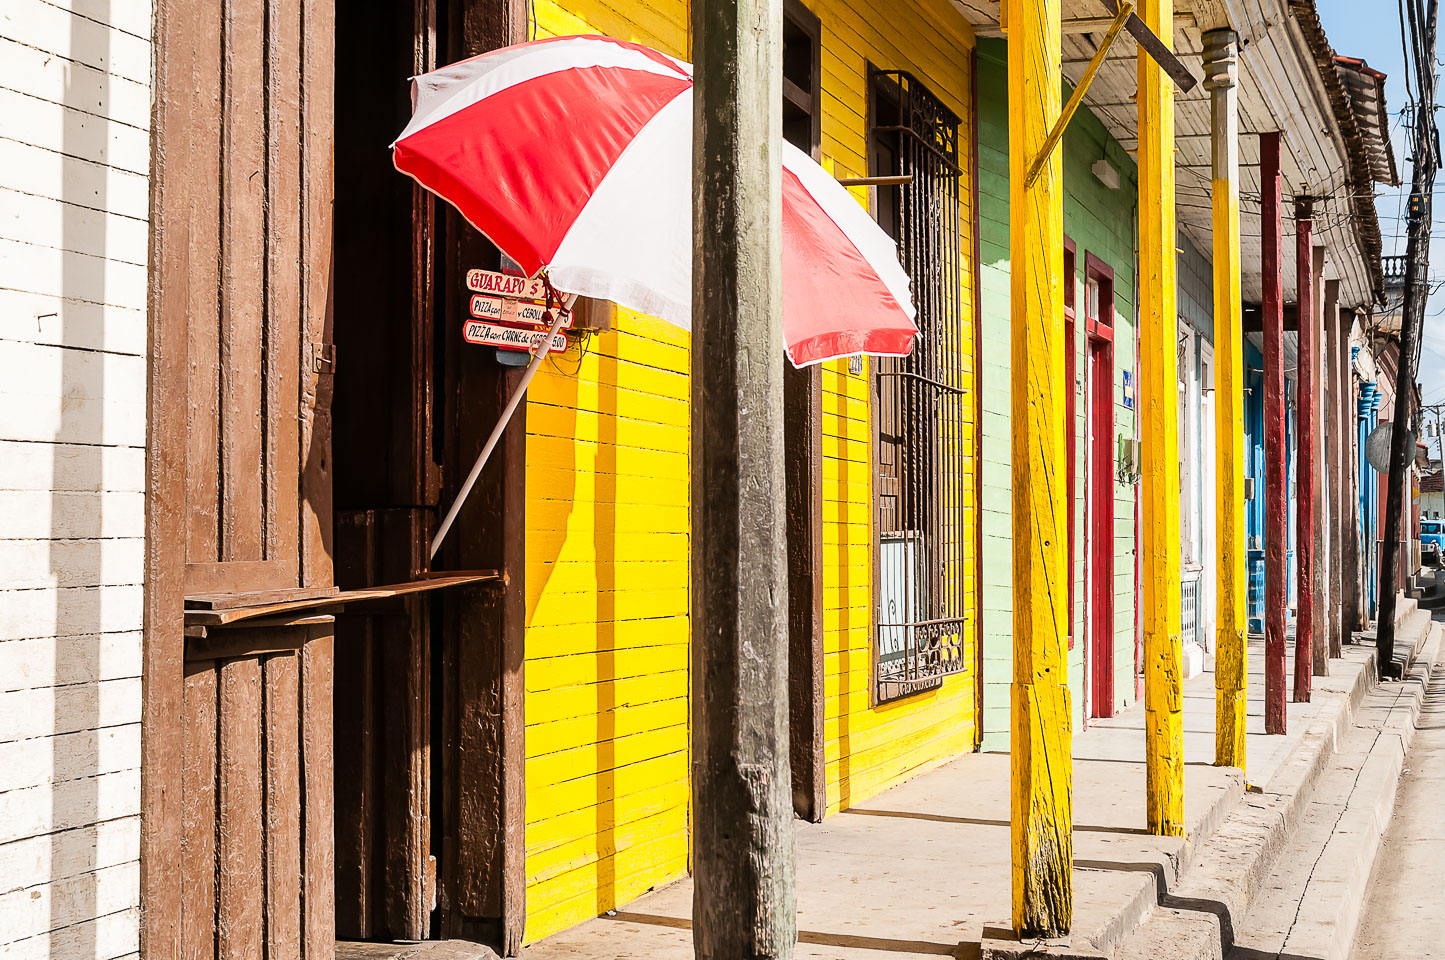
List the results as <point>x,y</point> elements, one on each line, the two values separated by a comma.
<point>1041,814</point>
<point>1276,479</point>
<point>1231,594</point>
<point>743,867</point>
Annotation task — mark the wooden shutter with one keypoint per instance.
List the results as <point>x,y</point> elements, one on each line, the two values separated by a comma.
<point>257,177</point>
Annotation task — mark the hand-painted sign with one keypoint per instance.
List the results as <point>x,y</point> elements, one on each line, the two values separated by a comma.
<point>509,338</point>
<point>501,285</point>
<point>510,310</point>
<point>498,310</point>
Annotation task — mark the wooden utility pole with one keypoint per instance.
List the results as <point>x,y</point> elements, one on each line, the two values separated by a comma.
<point>1307,440</point>
<point>1425,161</point>
<point>1337,498</point>
<point>1041,813</point>
<point>1319,649</point>
<point>1229,667</point>
<point>1276,514</point>
<point>1159,401</point>
<point>743,868</point>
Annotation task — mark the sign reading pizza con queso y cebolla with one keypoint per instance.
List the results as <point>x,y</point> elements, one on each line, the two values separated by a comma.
<point>509,312</point>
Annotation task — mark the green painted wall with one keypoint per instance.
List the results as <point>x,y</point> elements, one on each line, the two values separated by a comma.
<point>1099,221</point>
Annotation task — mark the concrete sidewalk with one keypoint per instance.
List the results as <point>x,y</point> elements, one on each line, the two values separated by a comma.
<point>923,869</point>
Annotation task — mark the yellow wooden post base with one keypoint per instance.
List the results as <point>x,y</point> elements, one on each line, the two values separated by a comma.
<point>1042,804</point>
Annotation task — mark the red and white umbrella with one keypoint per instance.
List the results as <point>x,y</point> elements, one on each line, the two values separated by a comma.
<point>574,154</point>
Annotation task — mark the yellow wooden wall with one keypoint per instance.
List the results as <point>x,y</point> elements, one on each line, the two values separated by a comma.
<point>608,637</point>
<point>607,641</point>
<point>868,748</point>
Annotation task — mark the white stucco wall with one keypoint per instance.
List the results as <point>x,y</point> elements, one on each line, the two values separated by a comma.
<point>74,158</point>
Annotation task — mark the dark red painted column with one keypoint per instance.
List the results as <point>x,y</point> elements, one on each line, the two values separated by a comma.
<point>1276,514</point>
<point>1307,441</point>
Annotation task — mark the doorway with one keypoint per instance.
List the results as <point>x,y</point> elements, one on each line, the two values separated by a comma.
<point>1099,484</point>
<point>428,706</point>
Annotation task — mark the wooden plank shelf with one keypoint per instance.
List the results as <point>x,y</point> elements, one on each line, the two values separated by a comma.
<point>198,616</point>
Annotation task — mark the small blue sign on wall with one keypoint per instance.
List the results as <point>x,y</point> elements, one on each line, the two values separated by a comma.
<point>1128,389</point>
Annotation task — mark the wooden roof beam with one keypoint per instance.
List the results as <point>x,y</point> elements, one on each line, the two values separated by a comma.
<point>1074,26</point>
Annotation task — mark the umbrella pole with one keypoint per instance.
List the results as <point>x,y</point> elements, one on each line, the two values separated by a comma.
<point>516,398</point>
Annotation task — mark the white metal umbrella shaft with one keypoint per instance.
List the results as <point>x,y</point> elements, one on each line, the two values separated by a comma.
<point>512,402</point>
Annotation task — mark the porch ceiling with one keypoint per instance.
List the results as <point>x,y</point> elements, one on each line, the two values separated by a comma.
<point>1279,89</point>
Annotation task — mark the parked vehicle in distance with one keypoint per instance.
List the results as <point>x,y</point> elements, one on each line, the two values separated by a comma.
<point>1432,541</point>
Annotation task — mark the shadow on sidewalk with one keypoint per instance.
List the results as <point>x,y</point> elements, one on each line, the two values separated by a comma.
<point>967,951</point>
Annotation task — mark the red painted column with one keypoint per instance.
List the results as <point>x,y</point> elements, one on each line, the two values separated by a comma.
<point>1276,514</point>
<point>1307,441</point>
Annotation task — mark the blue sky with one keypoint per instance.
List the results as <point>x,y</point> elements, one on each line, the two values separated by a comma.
<point>1372,31</point>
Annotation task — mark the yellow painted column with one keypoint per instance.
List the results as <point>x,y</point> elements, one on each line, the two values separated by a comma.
<point>1158,400</point>
<point>1041,814</point>
<point>1229,665</point>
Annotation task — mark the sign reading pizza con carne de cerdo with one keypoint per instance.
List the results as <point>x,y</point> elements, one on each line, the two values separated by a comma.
<point>510,312</point>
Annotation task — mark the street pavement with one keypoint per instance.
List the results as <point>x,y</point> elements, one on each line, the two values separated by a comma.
<point>922,870</point>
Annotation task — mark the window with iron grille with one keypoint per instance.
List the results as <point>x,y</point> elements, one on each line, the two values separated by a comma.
<point>919,414</point>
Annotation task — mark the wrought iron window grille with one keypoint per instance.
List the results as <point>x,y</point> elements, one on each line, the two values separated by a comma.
<point>920,435</point>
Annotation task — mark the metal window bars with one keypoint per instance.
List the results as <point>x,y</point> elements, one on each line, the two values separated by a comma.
<point>920,414</point>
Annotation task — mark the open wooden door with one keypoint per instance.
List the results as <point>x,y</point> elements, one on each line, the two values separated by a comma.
<point>428,720</point>
<point>236,767</point>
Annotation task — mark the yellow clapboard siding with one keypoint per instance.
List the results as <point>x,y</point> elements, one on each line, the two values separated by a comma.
<point>608,884</point>
<point>604,723</point>
<point>590,879</point>
<point>608,557</point>
<point>544,419</point>
<point>622,604</point>
<point>621,518</point>
<point>586,484</point>
<point>562,545</point>
<point>562,639</point>
<point>557,673</point>
<point>598,579</point>
<point>565,826</point>
<point>571,454</point>
<point>626,385</point>
<point>617,833</point>
<point>565,702</point>
<point>594,758</point>
<point>552,801</point>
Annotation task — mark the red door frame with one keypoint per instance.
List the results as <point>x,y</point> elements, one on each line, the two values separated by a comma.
<point>1099,487</point>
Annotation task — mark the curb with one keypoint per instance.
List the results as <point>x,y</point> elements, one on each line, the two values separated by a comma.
<point>1329,920</point>
<point>1220,831</point>
<point>1199,917</point>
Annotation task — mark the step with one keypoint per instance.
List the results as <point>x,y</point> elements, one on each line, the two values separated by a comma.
<point>1322,799</point>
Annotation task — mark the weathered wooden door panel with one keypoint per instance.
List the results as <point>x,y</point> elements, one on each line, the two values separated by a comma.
<point>383,735</point>
<point>247,295</point>
<point>237,855</point>
<point>257,850</point>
